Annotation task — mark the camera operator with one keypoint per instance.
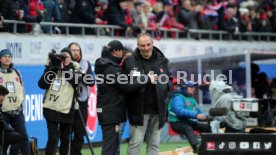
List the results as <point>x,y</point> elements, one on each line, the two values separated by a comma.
<point>12,109</point>
<point>10,136</point>
<point>60,81</point>
<point>222,96</point>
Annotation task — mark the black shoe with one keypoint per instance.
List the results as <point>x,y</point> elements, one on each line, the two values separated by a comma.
<point>196,148</point>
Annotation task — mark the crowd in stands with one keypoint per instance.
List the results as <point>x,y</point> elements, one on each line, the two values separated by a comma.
<point>135,16</point>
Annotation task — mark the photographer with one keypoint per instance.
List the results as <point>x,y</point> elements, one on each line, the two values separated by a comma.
<point>12,108</point>
<point>60,81</point>
<point>10,136</point>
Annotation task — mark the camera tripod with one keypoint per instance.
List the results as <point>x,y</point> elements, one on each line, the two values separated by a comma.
<point>86,135</point>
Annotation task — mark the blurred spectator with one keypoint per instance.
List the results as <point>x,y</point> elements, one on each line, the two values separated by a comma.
<point>254,17</point>
<point>8,9</point>
<point>166,18</point>
<point>157,8</point>
<point>100,9</point>
<point>35,8</point>
<point>116,15</point>
<point>147,15</point>
<point>245,22</point>
<point>152,2</point>
<point>65,13</point>
<point>211,16</point>
<point>51,14</point>
<point>24,13</point>
<point>273,17</point>
<point>239,16</point>
<point>83,12</point>
<point>64,10</point>
<point>264,24</point>
<point>233,2</point>
<point>152,16</point>
<point>230,22</point>
<point>138,24</point>
<point>128,18</point>
<point>190,16</point>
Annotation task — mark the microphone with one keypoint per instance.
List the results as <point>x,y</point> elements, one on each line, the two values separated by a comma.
<point>220,111</point>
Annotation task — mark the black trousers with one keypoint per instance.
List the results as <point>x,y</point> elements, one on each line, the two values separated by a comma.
<point>110,139</point>
<point>79,130</point>
<point>58,131</point>
<point>17,122</point>
<point>10,137</point>
<point>187,129</point>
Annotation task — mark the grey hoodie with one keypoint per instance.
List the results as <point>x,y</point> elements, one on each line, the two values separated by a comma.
<point>222,96</point>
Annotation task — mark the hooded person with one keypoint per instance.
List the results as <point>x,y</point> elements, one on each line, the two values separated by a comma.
<point>111,106</point>
<point>222,95</point>
<point>83,94</point>
<point>184,113</point>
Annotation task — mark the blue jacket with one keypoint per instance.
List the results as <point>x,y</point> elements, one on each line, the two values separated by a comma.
<point>182,107</point>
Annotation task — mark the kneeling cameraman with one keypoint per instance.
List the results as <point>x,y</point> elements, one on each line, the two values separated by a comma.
<point>58,80</point>
<point>10,136</point>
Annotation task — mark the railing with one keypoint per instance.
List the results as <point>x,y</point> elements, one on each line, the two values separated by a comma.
<point>224,35</point>
<point>66,26</point>
<point>189,33</point>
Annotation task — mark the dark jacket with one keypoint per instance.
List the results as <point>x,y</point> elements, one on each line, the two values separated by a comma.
<point>8,10</point>
<point>52,12</point>
<point>53,115</point>
<point>111,108</point>
<point>135,105</point>
<point>115,15</point>
<point>83,12</point>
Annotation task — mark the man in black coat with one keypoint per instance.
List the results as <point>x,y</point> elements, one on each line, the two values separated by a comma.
<point>147,107</point>
<point>111,108</point>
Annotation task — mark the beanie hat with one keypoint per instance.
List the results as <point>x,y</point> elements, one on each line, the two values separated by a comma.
<point>115,45</point>
<point>5,52</point>
<point>3,91</point>
<point>66,50</point>
<point>190,84</point>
